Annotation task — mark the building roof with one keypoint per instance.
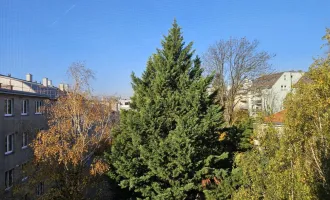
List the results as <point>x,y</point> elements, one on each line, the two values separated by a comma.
<point>266,81</point>
<point>12,85</point>
<point>276,118</point>
<point>22,93</point>
<point>304,80</point>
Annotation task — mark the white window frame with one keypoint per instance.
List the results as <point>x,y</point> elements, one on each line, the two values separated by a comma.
<point>25,140</point>
<point>7,114</point>
<point>38,105</point>
<point>9,179</point>
<point>9,139</point>
<point>25,107</point>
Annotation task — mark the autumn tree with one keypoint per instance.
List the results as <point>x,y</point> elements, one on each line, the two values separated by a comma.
<point>234,62</point>
<point>67,160</point>
<point>295,164</point>
<point>167,144</point>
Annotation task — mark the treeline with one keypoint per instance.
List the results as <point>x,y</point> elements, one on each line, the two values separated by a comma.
<point>183,140</point>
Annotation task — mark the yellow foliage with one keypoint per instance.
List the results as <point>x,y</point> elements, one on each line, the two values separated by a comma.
<point>222,136</point>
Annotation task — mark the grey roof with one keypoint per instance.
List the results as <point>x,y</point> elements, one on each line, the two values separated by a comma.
<point>266,81</point>
<point>304,80</point>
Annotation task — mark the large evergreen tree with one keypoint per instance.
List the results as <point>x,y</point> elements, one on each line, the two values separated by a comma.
<point>168,143</point>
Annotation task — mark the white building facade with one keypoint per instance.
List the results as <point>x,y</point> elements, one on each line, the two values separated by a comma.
<point>268,92</point>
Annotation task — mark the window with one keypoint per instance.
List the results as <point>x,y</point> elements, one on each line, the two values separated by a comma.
<point>40,189</point>
<point>9,178</point>
<point>25,107</point>
<point>126,103</point>
<point>24,140</point>
<point>9,107</point>
<point>285,77</point>
<point>38,107</point>
<point>24,171</point>
<point>281,87</point>
<point>9,144</point>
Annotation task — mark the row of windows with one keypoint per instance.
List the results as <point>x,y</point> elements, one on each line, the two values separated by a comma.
<point>9,180</point>
<point>9,107</point>
<point>9,142</point>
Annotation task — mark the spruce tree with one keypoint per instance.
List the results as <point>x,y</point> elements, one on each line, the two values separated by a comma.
<point>168,143</point>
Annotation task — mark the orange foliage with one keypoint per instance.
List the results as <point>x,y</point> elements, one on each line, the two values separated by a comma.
<point>79,127</point>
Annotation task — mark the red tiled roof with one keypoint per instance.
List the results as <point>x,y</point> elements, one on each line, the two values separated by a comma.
<point>276,118</point>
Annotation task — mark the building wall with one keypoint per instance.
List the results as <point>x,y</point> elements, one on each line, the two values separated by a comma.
<point>271,99</point>
<point>124,104</point>
<point>279,91</point>
<point>17,124</point>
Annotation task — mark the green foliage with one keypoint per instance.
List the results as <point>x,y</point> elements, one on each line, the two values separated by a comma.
<point>168,143</point>
<point>293,163</point>
<point>243,130</point>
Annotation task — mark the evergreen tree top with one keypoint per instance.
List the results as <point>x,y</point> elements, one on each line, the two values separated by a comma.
<point>171,67</point>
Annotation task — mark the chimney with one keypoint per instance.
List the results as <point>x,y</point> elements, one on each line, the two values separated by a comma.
<point>45,82</point>
<point>50,83</point>
<point>29,77</point>
<point>61,86</point>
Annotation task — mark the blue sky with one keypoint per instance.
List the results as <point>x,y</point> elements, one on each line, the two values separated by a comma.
<point>115,38</point>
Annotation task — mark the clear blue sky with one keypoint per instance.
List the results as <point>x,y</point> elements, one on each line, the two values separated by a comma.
<point>114,37</point>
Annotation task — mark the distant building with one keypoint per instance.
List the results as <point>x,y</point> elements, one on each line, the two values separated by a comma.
<point>20,118</point>
<point>268,92</point>
<point>124,104</point>
<point>241,100</point>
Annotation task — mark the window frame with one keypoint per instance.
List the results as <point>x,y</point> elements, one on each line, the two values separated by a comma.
<point>7,114</point>
<point>38,104</point>
<point>9,179</point>
<point>7,144</point>
<point>25,107</point>
<point>25,140</point>
<point>23,171</point>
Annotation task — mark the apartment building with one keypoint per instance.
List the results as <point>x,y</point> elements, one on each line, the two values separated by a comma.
<point>241,100</point>
<point>20,118</point>
<point>268,92</point>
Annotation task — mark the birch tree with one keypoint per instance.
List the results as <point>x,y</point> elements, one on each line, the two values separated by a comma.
<point>67,154</point>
